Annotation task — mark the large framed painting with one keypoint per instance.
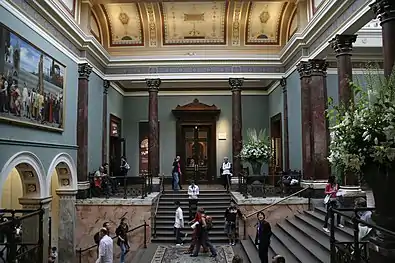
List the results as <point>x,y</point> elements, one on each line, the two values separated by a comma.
<point>32,84</point>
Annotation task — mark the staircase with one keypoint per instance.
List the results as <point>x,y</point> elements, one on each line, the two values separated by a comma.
<point>213,201</point>
<point>300,239</point>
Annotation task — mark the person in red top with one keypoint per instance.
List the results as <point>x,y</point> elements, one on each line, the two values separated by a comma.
<point>331,189</point>
<point>195,234</point>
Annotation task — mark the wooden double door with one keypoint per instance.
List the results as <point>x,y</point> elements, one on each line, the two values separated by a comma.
<point>197,153</point>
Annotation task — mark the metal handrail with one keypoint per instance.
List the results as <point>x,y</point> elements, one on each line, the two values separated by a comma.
<point>279,201</point>
<point>161,190</point>
<point>80,250</point>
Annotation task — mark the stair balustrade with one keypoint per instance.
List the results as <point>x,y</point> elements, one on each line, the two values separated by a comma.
<point>80,250</point>
<point>356,251</point>
<point>161,191</point>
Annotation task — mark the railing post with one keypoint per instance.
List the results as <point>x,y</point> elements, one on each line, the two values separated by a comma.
<point>143,186</point>
<point>163,183</point>
<point>332,235</point>
<point>357,249</point>
<point>13,246</point>
<point>309,196</point>
<point>145,234</point>
<point>80,255</point>
<point>41,235</point>
<point>125,190</point>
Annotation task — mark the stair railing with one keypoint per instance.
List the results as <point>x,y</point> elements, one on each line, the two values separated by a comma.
<point>80,250</point>
<point>161,191</point>
<point>274,204</point>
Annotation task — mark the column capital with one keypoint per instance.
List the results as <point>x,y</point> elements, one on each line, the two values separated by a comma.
<point>84,70</point>
<point>317,66</point>
<point>106,85</point>
<point>236,83</point>
<point>66,193</point>
<point>303,69</point>
<point>283,84</point>
<point>342,44</point>
<point>35,203</point>
<point>384,9</point>
<point>153,84</point>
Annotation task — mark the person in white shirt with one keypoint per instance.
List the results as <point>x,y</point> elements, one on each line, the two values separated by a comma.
<point>193,193</point>
<point>178,223</point>
<point>105,248</point>
<point>226,173</point>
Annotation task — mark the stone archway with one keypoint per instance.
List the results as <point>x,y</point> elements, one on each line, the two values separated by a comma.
<point>62,186</point>
<point>31,172</point>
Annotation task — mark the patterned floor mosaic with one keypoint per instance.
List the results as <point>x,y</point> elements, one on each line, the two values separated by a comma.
<point>172,254</point>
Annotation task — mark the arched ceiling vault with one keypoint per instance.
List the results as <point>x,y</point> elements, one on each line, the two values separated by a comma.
<point>194,28</point>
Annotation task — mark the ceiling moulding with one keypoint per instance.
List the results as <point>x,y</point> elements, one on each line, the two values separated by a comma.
<point>322,19</point>
<point>195,93</point>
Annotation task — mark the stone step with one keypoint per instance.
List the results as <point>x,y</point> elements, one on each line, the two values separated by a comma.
<point>208,202</point>
<point>170,232</point>
<point>185,207</point>
<point>278,249</point>
<point>166,222</point>
<point>215,217</point>
<point>171,239</point>
<point>164,211</point>
<point>321,218</point>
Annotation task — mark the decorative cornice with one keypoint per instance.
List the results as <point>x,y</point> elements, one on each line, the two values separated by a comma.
<point>84,70</point>
<point>342,44</point>
<point>236,84</point>
<point>106,85</point>
<point>153,84</point>
<point>384,10</point>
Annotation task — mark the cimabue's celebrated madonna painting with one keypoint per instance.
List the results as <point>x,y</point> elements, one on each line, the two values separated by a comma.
<point>32,84</point>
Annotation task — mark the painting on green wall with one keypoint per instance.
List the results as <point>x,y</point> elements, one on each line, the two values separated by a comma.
<point>31,84</point>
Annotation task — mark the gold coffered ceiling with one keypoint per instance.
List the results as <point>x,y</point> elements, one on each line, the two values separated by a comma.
<point>194,27</point>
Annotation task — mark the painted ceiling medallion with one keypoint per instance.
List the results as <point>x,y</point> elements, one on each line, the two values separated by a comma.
<point>125,24</point>
<point>194,23</point>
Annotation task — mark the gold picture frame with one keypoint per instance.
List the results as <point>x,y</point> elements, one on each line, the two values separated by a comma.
<point>32,84</point>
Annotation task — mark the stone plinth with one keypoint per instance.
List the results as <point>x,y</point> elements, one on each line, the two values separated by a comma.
<point>92,213</point>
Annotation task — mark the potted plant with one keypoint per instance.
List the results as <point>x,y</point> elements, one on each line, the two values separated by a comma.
<point>256,150</point>
<point>363,141</point>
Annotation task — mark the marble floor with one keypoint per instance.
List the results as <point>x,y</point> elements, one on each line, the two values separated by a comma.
<point>172,254</point>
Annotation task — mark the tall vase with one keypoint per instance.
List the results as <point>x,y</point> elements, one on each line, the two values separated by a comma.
<point>382,182</point>
<point>256,167</point>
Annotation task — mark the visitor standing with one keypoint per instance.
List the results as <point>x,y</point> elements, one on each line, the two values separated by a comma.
<point>178,223</point>
<point>330,200</point>
<point>231,214</point>
<point>105,247</point>
<point>176,173</point>
<point>193,195</point>
<point>122,242</point>
<point>262,239</point>
<point>226,173</point>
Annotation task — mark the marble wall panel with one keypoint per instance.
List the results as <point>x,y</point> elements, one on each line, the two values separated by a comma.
<point>273,214</point>
<point>91,217</point>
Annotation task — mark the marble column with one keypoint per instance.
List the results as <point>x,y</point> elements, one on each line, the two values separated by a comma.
<point>84,70</point>
<point>106,85</point>
<point>31,226</point>
<point>237,122</point>
<point>67,218</point>
<point>283,84</point>
<point>342,45</point>
<point>307,138</point>
<point>153,126</point>
<point>385,11</point>
<point>319,121</point>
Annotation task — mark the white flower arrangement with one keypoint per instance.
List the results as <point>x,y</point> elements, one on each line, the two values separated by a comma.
<point>257,147</point>
<point>364,131</point>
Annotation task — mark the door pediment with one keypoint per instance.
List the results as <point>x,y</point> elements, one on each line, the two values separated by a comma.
<point>196,109</point>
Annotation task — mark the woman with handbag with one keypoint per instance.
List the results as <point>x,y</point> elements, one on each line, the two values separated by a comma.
<point>122,242</point>
<point>330,200</point>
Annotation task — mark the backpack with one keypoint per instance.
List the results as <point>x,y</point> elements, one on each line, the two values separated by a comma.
<point>96,238</point>
<point>209,222</point>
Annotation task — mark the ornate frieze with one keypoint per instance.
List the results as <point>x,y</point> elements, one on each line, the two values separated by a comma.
<point>152,36</point>
<point>236,23</point>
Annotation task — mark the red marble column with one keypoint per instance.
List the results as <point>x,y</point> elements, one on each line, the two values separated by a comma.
<point>84,70</point>
<point>307,138</point>
<point>153,123</point>
<point>319,121</point>
<point>237,132</point>
<point>283,84</point>
<point>106,85</point>
<point>342,45</point>
<point>385,11</point>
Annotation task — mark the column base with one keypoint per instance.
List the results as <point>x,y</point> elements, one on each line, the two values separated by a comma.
<point>317,188</point>
<point>83,190</point>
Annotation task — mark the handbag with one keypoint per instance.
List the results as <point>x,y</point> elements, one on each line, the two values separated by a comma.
<point>327,198</point>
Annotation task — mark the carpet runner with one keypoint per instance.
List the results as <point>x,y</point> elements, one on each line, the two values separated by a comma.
<point>172,254</point>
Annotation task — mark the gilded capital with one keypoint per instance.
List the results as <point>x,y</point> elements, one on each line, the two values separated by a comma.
<point>384,9</point>
<point>106,85</point>
<point>153,84</point>
<point>236,83</point>
<point>84,70</point>
<point>342,44</point>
